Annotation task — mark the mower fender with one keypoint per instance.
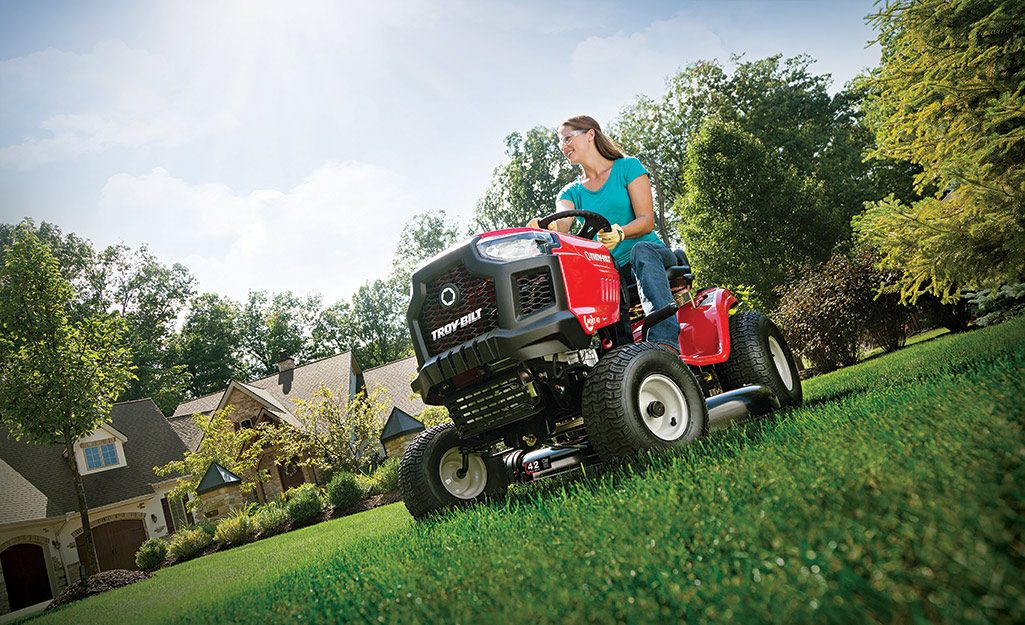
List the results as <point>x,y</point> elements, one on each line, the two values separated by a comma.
<point>705,327</point>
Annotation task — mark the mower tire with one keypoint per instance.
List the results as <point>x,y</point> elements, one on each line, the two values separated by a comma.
<point>639,397</point>
<point>430,477</point>
<point>760,355</point>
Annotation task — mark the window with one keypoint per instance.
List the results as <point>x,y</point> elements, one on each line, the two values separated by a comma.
<point>100,454</point>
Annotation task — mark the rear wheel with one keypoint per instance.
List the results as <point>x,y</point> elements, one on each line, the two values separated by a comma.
<point>760,355</point>
<point>639,397</point>
<point>432,475</point>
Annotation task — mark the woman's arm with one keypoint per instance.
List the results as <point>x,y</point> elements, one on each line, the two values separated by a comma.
<point>559,225</point>
<point>643,205</point>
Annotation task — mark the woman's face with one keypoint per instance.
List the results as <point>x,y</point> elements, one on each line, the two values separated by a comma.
<point>573,143</point>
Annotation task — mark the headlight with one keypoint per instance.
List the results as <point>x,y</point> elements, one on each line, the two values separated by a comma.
<point>517,246</point>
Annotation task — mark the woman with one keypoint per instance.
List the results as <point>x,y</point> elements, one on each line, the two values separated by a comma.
<point>617,187</point>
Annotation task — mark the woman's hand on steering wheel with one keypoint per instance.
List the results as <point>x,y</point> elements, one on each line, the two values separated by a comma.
<point>593,222</point>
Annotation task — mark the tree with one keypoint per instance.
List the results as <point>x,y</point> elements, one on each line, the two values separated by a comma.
<point>829,310</point>
<point>283,323</point>
<point>526,187</point>
<point>239,451</point>
<point>58,378</point>
<point>149,296</point>
<point>377,322</point>
<point>76,262</point>
<point>747,219</point>
<point>209,343</point>
<point>818,137</point>
<point>423,237</point>
<point>339,431</point>
<point>950,100</point>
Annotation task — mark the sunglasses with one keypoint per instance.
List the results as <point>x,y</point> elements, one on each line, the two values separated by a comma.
<point>565,139</point>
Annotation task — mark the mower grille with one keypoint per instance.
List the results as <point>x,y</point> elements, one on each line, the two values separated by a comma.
<point>535,292</point>
<point>460,323</point>
<point>490,406</point>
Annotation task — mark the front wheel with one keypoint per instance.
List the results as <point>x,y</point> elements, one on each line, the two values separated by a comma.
<point>760,355</point>
<point>641,396</point>
<point>432,474</point>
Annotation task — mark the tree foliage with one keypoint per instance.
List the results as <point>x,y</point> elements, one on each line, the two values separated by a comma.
<point>831,309</point>
<point>338,431</point>
<point>208,345</point>
<point>149,296</point>
<point>950,99</point>
<point>527,185</point>
<point>747,218</point>
<point>58,378</point>
<point>239,451</point>
<point>816,137</point>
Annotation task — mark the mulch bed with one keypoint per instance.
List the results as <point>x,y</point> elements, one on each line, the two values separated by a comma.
<point>94,585</point>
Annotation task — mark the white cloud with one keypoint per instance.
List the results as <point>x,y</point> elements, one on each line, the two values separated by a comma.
<point>639,62</point>
<point>329,234</point>
<point>113,96</point>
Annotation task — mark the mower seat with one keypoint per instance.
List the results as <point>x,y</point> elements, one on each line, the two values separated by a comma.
<point>680,276</point>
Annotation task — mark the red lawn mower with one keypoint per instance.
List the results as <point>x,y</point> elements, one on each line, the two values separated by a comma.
<point>521,335</point>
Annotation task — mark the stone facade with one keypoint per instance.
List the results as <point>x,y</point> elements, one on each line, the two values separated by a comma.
<point>220,502</point>
<point>397,446</point>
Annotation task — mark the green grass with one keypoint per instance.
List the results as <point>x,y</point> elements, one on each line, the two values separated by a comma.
<point>893,495</point>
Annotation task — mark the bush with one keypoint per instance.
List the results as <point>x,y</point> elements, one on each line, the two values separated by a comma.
<point>271,517</point>
<point>831,309</point>
<point>151,554</point>
<point>188,543</point>
<point>386,476</point>
<point>304,503</point>
<point>235,529</point>
<point>343,491</point>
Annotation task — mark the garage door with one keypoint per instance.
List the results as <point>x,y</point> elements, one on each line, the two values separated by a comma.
<point>116,544</point>
<point>24,569</point>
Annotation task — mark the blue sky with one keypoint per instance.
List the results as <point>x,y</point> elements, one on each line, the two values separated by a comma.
<point>282,145</point>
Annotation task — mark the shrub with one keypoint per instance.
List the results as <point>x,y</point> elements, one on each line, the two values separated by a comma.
<point>386,476</point>
<point>344,491</point>
<point>271,517</point>
<point>151,554</point>
<point>235,529</point>
<point>188,543</point>
<point>303,503</point>
<point>830,309</point>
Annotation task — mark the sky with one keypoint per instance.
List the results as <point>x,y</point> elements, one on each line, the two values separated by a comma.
<point>273,146</point>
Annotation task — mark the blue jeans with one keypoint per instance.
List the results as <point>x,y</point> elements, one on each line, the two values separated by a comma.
<point>649,261</point>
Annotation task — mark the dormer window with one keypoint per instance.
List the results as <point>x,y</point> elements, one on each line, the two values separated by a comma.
<point>99,454</point>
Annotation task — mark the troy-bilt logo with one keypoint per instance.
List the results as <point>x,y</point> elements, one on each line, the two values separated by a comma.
<point>459,323</point>
<point>590,321</point>
<point>596,258</point>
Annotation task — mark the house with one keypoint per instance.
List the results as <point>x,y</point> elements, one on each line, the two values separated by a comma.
<point>41,541</point>
<point>274,399</point>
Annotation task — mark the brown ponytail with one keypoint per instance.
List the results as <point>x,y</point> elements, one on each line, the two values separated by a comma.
<point>606,147</point>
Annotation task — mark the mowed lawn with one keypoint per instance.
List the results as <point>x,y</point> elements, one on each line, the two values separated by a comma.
<point>894,495</point>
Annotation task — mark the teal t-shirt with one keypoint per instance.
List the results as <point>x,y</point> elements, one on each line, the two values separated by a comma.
<point>612,201</point>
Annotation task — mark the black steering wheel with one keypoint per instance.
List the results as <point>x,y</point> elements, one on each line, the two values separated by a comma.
<point>593,222</point>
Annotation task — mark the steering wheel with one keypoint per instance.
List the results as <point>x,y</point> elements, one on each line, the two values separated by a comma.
<point>593,222</point>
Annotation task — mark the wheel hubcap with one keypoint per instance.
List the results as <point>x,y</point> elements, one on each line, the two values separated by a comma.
<point>779,359</point>
<point>663,407</point>
<point>468,485</point>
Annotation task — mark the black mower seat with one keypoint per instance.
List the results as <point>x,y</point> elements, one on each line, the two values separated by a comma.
<point>679,275</point>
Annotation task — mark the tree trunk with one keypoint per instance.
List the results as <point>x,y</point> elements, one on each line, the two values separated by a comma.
<point>660,219</point>
<point>92,564</point>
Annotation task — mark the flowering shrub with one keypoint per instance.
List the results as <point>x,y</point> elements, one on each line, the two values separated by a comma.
<point>235,529</point>
<point>188,543</point>
<point>151,554</point>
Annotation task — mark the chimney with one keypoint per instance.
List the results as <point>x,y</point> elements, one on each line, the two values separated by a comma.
<point>285,362</point>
